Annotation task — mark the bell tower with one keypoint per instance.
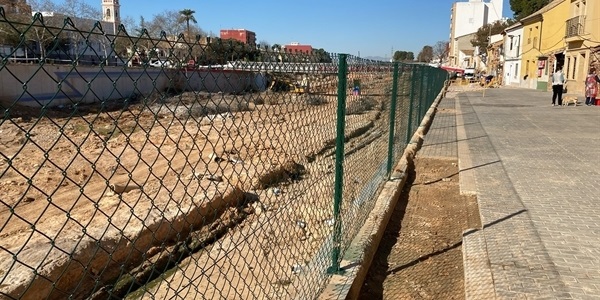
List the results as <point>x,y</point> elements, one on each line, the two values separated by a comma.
<point>111,12</point>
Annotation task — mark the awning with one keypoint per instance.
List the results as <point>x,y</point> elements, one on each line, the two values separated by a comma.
<point>453,69</point>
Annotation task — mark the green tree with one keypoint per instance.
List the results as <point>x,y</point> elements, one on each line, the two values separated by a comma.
<point>403,56</point>
<point>322,56</point>
<point>426,54</point>
<point>400,55</point>
<point>524,8</point>
<point>220,51</point>
<point>482,35</point>
<point>187,15</point>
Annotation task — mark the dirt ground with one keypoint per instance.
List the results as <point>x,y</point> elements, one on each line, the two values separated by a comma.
<point>420,254</point>
<point>199,187</point>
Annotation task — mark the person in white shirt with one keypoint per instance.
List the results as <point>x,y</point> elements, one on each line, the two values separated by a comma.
<point>558,81</point>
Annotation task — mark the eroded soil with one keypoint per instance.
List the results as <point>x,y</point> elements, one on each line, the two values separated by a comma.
<point>420,253</point>
<point>193,189</point>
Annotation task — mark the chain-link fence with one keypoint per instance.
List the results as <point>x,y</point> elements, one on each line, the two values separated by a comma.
<point>178,167</point>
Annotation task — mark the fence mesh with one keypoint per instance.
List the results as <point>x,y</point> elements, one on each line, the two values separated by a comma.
<point>188,167</point>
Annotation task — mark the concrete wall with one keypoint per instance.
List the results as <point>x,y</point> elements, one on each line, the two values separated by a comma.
<point>55,85</point>
<point>227,81</point>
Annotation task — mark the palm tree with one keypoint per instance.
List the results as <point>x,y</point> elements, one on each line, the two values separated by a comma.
<point>187,15</point>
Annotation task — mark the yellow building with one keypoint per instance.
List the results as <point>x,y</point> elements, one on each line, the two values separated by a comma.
<point>544,43</point>
<point>582,37</point>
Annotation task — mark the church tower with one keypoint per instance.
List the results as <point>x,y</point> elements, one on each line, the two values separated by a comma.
<point>111,13</point>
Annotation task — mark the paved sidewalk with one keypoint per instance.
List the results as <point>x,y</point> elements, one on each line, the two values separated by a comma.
<point>440,140</point>
<point>536,172</point>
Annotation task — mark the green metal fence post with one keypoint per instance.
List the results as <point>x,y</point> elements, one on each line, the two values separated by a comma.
<point>339,164</point>
<point>411,104</point>
<point>392,119</point>
<point>422,95</point>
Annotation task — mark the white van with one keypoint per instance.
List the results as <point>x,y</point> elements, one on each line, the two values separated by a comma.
<point>469,73</point>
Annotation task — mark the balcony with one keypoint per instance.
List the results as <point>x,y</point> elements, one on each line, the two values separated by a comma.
<point>575,28</point>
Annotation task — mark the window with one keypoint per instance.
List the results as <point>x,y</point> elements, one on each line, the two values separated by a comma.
<point>108,13</point>
<point>535,42</point>
<point>516,70</point>
<point>511,43</point>
<point>567,67</point>
<point>574,67</point>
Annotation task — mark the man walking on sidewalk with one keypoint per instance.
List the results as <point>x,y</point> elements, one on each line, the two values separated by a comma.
<point>558,80</point>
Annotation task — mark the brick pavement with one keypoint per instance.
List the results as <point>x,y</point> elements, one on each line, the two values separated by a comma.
<point>535,170</point>
<point>440,140</point>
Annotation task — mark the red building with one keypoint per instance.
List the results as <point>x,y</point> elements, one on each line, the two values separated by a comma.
<point>296,47</point>
<point>242,35</point>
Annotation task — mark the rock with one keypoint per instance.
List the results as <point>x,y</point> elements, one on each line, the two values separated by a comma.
<point>259,208</point>
<point>215,178</point>
<point>215,157</point>
<point>297,269</point>
<point>301,224</point>
<point>329,222</point>
<point>28,199</point>
<point>276,191</point>
<point>235,160</point>
<point>123,188</point>
<point>248,210</point>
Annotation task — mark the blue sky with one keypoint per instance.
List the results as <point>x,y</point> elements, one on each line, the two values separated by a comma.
<point>350,26</point>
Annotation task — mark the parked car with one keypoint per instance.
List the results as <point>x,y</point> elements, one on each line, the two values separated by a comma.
<point>469,74</point>
<point>161,64</point>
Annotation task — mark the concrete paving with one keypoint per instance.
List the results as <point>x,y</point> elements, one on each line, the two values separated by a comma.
<point>535,170</point>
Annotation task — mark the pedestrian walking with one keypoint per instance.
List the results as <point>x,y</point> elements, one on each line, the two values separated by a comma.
<point>558,81</point>
<point>591,87</point>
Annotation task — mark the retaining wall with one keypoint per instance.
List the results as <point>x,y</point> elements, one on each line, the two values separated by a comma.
<point>55,85</point>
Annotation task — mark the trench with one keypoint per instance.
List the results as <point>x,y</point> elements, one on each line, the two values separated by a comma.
<point>159,267</point>
<point>148,275</point>
<point>152,269</point>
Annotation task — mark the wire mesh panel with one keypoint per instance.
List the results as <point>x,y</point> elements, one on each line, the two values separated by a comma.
<point>366,139</point>
<point>134,166</point>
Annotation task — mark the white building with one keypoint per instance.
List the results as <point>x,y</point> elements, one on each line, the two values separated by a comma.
<point>513,49</point>
<point>467,17</point>
<point>90,50</point>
